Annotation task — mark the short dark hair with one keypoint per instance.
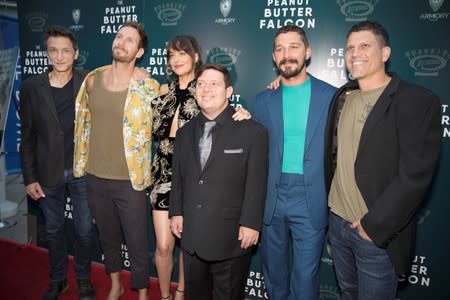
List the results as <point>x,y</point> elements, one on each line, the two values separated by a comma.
<point>376,28</point>
<point>217,67</point>
<point>60,31</point>
<point>140,29</point>
<point>292,28</point>
<point>188,44</point>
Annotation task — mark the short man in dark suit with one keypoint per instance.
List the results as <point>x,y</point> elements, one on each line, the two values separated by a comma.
<point>382,143</point>
<point>47,111</point>
<point>218,191</point>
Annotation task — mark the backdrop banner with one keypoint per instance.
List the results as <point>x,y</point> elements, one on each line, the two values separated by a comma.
<point>239,35</point>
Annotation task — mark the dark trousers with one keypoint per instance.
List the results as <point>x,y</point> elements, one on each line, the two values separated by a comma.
<point>115,205</point>
<point>53,207</point>
<point>221,280</point>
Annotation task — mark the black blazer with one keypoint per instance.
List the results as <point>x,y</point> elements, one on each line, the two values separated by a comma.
<point>229,192</point>
<point>42,138</point>
<point>394,166</point>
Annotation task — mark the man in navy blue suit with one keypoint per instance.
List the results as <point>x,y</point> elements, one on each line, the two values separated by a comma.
<point>296,205</point>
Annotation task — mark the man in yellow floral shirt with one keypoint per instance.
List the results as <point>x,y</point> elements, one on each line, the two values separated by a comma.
<point>113,148</point>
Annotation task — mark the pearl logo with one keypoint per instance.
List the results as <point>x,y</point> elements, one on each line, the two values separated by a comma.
<point>36,21</point>
<point>82,59</point>
<point>169,13</point>
<point>427,62</point>
<point>226,57</point>
<point>357,10</point>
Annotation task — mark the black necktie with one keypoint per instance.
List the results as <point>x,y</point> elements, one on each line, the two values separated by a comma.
<point>205,142</point>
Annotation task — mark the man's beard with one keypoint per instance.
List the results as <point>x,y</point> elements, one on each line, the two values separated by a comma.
<point>121,58</point>
<point>290,72</point>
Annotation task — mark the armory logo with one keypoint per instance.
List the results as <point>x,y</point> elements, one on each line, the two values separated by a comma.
<point>169,13</point>
<point>227,57</point>
<point>76,14</point>
<point>36,21</point>
<point>427,62</point>
<point>356,10</point>
<point>225,8</point>
<point>435,5</point>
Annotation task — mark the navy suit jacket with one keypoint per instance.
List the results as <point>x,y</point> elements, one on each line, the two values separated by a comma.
<point>268,110</point>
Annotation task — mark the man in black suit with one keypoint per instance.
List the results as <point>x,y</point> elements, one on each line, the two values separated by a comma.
<point>47,111</point>
<point>382,143</point>
<point>217,198</point>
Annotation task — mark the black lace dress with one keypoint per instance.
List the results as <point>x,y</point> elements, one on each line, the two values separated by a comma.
<point>164,109</point>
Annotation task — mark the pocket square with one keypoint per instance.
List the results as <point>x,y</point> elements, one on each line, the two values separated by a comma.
<point>233,151</point>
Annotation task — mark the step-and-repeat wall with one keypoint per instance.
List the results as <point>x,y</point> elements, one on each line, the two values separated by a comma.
<point>239,35</point>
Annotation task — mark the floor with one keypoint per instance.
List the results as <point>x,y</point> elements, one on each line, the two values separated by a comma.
<point>19,228</point>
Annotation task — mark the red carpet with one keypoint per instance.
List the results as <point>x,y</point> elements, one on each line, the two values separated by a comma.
<point>24,275</point>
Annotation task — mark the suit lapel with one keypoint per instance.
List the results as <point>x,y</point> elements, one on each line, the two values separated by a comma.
<point>46,91</point>
<point>379,109</point>
<point>195,150</point>
<point>276,114</point>
<point>217,146</point>
<point>77,81</point>
<point>316,106</point>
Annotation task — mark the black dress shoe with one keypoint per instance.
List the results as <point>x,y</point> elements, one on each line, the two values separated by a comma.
<point>55,289</point>
<point>85,289</point>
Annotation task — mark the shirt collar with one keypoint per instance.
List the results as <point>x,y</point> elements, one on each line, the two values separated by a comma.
<point>221,119</point>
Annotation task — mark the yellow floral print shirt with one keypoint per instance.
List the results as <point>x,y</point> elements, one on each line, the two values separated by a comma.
<point>137,129</point>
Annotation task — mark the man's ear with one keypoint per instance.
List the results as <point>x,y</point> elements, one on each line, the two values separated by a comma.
<point>386,53</point>
<point>229,91</point>
<point>308,53</point>
<point>140,53</point>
